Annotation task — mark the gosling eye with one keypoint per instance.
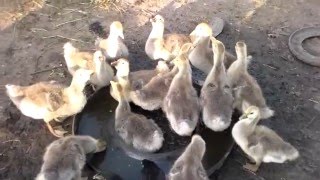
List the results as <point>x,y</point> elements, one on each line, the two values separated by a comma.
<point>211,85</point>
<point>226,87</point>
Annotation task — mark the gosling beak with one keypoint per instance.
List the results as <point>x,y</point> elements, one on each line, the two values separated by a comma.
<point>114,63</point>
<point>121,35</point>
<point>244,116</point>
<point>172,62</point>
<point>91,72</point>
<point>102,58</point>
<point>193,33</point>
<point>152,20</point>
<point>195,42</point>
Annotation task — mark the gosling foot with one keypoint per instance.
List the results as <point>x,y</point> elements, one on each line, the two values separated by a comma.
<point>101,145</point>
<point>94,87</point>
<point>253,168</point>
<point>57,131</point>
<point>98,177</point>
<point>60,120</point>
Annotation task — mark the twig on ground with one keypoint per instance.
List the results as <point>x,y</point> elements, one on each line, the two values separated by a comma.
<point>13,140</point>
<point>63,37</point>
<point>52,6</point>
<point>284,58</point>
<point>310,122</point>
<point>82,27</point>
<point>38,58</point>
<point>46,70</point>
<point>75,20</point>
<point>42,53</point>
<point>74,10</point>
<point>270,66</point>
<point>14,32</point>
<point>38,29</point>
<point>42,14</point>
<point>312,100</point>
<point>121,10</point>
<point>3,168</point>
<point>39,5</point>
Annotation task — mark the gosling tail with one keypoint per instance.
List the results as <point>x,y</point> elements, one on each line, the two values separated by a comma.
<point>266,112</point>
<point>14,90</point>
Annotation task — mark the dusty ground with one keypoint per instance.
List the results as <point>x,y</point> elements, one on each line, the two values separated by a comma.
<point>33,43</point>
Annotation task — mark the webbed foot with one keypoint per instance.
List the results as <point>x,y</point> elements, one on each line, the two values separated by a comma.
<point>57,131</point>
<point>253,168</point>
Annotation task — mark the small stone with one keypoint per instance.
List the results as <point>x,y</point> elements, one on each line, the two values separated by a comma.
<point>317,107</point>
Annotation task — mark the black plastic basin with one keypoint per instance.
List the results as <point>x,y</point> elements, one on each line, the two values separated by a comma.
<point>121,161</point>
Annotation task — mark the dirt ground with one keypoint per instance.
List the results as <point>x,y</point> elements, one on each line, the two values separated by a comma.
<point>31,51</point>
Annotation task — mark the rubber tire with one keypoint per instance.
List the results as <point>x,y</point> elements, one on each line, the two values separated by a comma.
<point>295,45</point>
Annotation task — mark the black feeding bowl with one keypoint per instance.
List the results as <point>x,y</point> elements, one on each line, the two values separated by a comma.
<point>121,161</point>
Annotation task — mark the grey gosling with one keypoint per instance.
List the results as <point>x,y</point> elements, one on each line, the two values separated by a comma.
<point>202,55</point>
<point>181,104</point>
<point>216,95</point>
<point>259,142</point>
<point>189,164</point>
<point>135,129</point>
<point>247,91</point>
<point>65,158</point>
<point>150,97</point>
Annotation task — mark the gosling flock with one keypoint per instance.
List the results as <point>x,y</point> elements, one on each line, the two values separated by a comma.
<point>169,87</point>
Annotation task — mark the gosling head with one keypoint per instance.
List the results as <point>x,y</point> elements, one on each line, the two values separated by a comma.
<point>202,30</point>
<point>68,48</point>
<point>182,57</point>
<point>157,20</point>
<point>241,49</point>
<point>251,114</point>
<point>189,165</point>
<point>116,29</point>
<point>217,46</point>
<point>13,90</point>
<point>199,144</point>
<point>162,66</point>
<point>122,66</point>
<point>82,75</point>
<point>98,57</point>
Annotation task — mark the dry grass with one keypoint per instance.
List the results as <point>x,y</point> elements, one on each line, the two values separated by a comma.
<point>16,10</point>
<point>106,4</point>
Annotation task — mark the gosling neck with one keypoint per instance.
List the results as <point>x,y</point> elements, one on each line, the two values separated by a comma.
<point>202,44</point>
<point>113,36</point>
<point>242,61</point>
<point>123,105</point>
<point>123,72</point>
<point>101,70</point>
<point>184,70</point>
<point>218,68</point>
<point>254,122</point>
<point>76,86</point>
<point>98,67</point>
<point>157,31</point>
<point>195,151</point>
<point>218,59</point>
